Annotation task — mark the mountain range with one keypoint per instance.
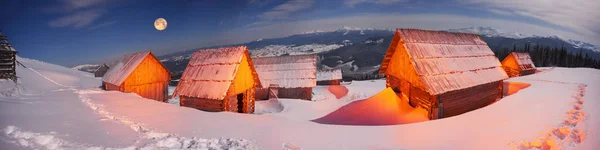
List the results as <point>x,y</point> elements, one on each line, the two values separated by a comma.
<point>361,50</point>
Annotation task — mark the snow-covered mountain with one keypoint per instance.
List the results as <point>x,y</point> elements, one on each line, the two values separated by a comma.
<point>358,50</point>
<point>492,32</point>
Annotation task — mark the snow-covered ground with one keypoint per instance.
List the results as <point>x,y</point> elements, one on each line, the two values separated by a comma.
<point>53,107</point>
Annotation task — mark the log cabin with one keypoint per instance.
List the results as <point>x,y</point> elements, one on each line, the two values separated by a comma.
<point>445,73</point>
<point>329,77</point>
<point>221,79</point>
<point>518,64</point>
<point>292,76</point>
<point>101,70</point>
<point>8,58</point>
<point>141,73</point>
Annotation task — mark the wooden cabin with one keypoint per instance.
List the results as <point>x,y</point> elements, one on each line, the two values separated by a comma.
<point>329,77</point>
<point>445,73</point>
<point>140,73</point>
<point>8,58</point>
<point>518,64</point>
<point>293,76</point>
<point>101,70</point>
<point>221,79</point>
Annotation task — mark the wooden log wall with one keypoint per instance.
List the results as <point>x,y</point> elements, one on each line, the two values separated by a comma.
<point>465,100</point>
<point>295,93</point>
<point>8,65</point>
<point>201,104</point>
<point>329,82</point>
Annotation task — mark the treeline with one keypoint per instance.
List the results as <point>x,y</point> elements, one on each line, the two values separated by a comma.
<point>546,56</point>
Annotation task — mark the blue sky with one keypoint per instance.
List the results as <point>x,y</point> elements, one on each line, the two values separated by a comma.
<point>71,32</point>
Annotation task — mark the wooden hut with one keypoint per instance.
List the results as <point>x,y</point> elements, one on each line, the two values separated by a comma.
<point>221,79</point>
<point>140,73</point>
<point>7,60</point>
<point>445,73</point>
<point>518,64</point>
<point>100,71</point>
<point>294,76</point>
<point>329,77</point>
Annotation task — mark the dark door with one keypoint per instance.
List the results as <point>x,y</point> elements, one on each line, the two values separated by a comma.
<point>240,103</point>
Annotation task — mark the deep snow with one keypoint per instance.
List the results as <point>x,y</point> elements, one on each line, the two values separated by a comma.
<point>53,107</point>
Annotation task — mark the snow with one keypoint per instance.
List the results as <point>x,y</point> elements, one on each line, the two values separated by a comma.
<point>54,107</point>
<point>278,50</point>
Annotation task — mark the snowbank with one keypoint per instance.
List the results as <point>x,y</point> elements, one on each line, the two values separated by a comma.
<point>61,105</point>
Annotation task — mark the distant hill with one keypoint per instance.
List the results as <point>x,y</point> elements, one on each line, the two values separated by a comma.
<point>87,67</point>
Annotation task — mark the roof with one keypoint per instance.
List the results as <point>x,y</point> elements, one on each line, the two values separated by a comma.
<point>4,45</point>
<point>524,60</point>
<point>287,71</point>
<point>210,72</point>
<point>124,67</point>
<point>324,75</point>
<point>446,61</point>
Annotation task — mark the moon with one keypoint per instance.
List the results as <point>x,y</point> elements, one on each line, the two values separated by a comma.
<point>160,24</point>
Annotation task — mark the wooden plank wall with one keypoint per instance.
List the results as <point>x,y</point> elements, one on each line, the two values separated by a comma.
<point>149,79</point>
<point>465,100</point>
<point>295,93</point>
<point>202,104</point>
<point>7,65</point>
<point>261,93</point>
<point>329,82</point>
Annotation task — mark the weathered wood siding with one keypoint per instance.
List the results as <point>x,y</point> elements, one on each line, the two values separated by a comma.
<point>461,101</point>
<point>262,93</point>
<point>101,71</point>
<point>8,65</point>
<point>329,82</point>
<point>149,80</point>
<point>202,104</point>
<point>295,93</point>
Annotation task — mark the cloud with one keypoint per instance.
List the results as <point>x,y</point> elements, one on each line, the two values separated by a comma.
<point>284,10</point>
<point>102,25</point>
<point>580,16</point>
<point>77,20</point>
<point>380,20</point>
<point>78,13</point>
<point>73,5</point>
<point>351,3</point>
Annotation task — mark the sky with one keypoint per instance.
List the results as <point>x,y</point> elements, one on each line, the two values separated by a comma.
<point>73,32</point>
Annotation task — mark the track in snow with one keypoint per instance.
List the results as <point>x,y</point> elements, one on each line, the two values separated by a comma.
<point>567,134</point>
<point>148,138</point>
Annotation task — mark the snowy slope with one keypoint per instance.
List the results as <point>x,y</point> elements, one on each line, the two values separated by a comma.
<point>58,108</point>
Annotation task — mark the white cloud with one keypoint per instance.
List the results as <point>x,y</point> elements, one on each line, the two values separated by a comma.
<point>351,3</point>
<point>284,10</point>
<point>421,21</point>
<point>79,13</point>
<point>102,25</point>
<point>580,16</point>
<point>77,20</point>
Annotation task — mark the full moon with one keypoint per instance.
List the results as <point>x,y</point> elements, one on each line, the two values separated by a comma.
<point>160,24</point>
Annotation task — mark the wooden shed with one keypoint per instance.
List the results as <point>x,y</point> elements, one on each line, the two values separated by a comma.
<point>329,77</point>
<point>445,73</point>
<point>221,79</point>
<point>295,76</point>
<point>518,64</point>
<point>101,70</point>
<point>140,73</point>
<point>7,59</point>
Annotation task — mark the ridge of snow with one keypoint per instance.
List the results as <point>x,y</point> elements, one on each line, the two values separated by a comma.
<point>278,50</point>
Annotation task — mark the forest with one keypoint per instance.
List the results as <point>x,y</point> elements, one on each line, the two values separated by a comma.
<point>546,56</point>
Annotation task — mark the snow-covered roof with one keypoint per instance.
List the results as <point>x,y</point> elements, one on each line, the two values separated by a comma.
<point>324,75</point>
<point>447,61</point>
<point>124,67</point>
<point>210,72</point>
<point>287,71</point>
<point>524,60</point>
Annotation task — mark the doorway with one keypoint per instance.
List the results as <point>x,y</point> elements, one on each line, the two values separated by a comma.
<point>240,103</point>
